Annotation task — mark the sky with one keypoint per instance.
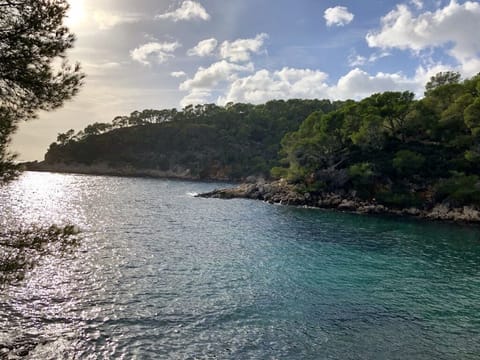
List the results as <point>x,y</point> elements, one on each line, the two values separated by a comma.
<point>156,54</point>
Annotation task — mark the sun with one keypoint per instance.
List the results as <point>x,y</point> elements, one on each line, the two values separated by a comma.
<point>76,13</point>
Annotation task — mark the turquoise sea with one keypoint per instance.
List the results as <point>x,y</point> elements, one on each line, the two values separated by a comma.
<point>161,274</point>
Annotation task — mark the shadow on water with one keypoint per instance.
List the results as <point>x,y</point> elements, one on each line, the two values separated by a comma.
<point>20,251</point>
<point>388,235</point>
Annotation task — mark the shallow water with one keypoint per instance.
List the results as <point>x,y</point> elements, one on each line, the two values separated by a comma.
<point>161,274</point>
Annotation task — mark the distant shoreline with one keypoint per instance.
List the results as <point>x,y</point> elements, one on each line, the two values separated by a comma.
<point>127,171</point>
<point>276,192</point>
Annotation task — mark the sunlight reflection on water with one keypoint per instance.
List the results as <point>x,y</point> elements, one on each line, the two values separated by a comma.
<point>42,197</point>
<point>160,274</point>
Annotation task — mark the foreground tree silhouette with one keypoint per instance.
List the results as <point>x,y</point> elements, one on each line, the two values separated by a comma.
<point>34,72</point>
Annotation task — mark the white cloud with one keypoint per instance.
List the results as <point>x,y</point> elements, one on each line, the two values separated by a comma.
<point>178,74</point>
<point>291,83</point>
<point>417,3</point>
<point>235,60</point>
<point>106,20</point>
<point>189,10</point>
<point>196,96</point>
<point>207,78</point>
<point>283,84</point>
<point>154,51</point>
<point>355,60</point>
<point>423,75</point>
<point>338,15</point>
<point>471,67</point>
<point>454,25</point>
<point>240,50</point>
<point>358,84</point>
<point>203,48</point>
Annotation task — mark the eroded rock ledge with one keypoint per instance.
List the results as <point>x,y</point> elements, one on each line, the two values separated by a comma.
<point>280,192</point>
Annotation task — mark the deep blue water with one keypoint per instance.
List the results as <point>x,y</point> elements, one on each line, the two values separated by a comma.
<point>161,274</point>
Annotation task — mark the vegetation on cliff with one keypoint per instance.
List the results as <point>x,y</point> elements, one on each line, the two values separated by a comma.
<point>206,141</point>
<point>393,148</point>
<point>388,148</point>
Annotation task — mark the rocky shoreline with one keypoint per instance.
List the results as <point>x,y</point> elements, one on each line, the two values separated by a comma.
<point>280,192</point>
<point>276,192</point>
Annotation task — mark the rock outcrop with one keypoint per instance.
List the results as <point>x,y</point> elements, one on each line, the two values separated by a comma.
<point>281,192</point>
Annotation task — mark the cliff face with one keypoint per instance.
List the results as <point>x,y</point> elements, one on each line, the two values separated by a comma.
<point>281,192</point>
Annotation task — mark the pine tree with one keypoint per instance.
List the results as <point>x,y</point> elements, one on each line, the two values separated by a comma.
<point>34,72</point>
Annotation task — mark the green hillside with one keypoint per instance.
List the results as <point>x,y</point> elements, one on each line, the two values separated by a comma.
<point>206,141</point>
<point>389,147</point>
<point>392,148</point>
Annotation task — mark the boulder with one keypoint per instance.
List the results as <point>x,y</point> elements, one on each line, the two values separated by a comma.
<point>347,205</point>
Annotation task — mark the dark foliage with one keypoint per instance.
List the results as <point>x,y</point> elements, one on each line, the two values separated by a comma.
<point>22,249</point>
<point>388,147</point>
<point>397,150</point>
<point>34,74</point>
<point>208,141</point>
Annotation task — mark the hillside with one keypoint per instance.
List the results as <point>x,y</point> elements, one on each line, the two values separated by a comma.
<point>201,142</point>
<point>393,149</point>
<point>389,148</point>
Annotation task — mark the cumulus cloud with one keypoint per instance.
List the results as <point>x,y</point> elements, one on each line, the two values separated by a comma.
<point>204,82</point>
<point>357,84</point>
<point>471,66</point>
<point>207,78</point>
<point>196,96</point>
<point>338,16</point>
<point>455,26</point>
<point>451,27</point>
<point>189,10</point>
<point>234,62</point>
<point>291,83</point>
<point>154,52</point>
<point>178,74</point>
<point>106,20</point>
<point>287,83</point>
<point>240,50</point>
<point>203,48</point>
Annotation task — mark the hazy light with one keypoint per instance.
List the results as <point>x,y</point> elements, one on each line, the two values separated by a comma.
<point>76,13</point>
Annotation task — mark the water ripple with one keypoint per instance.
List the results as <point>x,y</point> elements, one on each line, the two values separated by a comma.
<point>161,274</point>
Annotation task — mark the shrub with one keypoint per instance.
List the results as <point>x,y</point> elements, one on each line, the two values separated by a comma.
<point>399,199</point>
<point>278,172</point>
<point>408,162</point>
<point>362,178</point>
<point>460,189</point>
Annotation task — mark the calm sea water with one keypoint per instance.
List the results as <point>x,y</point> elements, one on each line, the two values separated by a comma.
<point>161,274</point>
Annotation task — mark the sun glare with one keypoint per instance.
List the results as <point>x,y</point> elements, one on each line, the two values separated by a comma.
<point>76,13</point>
